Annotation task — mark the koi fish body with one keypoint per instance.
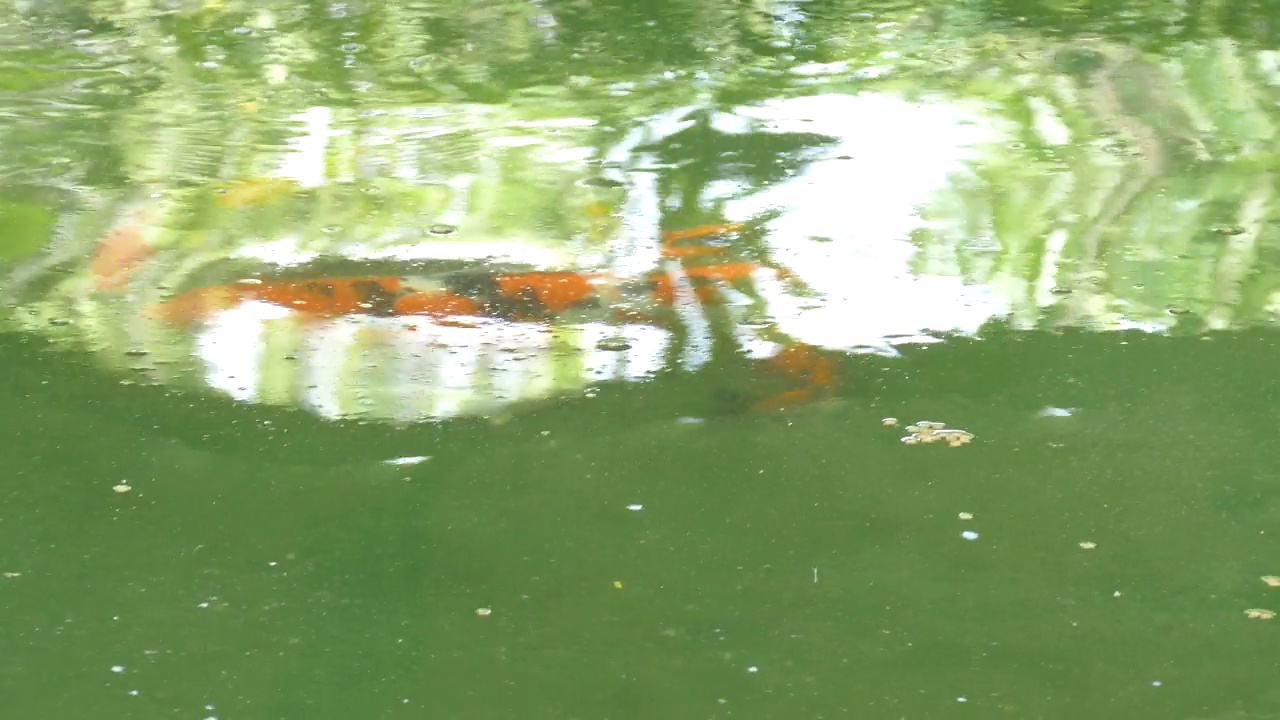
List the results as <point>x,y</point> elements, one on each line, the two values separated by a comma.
<point>539,300</point>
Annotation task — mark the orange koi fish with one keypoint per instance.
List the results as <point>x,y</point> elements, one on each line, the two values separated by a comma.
<point>672,237</point>
<point>121,250</point>
<point>554,291</point>
<point>515,296</point>
<point>319,297</point>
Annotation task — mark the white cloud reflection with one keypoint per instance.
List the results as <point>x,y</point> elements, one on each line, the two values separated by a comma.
<point>844,224</point>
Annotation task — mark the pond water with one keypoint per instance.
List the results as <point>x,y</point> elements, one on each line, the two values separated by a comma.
<point>541,359</point>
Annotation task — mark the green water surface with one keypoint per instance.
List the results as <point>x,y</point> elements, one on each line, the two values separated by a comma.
<point>648,549</point>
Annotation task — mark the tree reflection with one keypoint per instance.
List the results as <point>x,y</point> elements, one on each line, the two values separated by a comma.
<point>1121,164</point>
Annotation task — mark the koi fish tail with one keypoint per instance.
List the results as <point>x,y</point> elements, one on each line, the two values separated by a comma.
<point>671,247</point>
<point>805,363</point>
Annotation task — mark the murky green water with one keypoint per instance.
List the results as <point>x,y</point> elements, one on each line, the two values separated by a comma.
<point>538,359</point>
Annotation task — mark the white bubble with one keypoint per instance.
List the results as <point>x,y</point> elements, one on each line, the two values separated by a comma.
<point>969,535</point>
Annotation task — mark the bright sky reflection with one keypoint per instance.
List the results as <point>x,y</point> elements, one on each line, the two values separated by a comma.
<point>845,223</point>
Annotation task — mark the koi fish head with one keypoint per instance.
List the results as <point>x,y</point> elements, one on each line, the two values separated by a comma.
<point>195,306</point>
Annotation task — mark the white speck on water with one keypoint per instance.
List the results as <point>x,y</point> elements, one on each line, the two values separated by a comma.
<point>753,669</point>
<point>1156,683</point>
<point>962,699</point>
<point>407,460</point>
<point>969,535</point>
<point>689,420</point>
<point>1050,411</point>
<point>635,507</point>
<point>133,693</point>
<point>117,668</point>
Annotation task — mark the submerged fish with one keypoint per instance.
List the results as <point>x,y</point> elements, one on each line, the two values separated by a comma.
<point>522,305</point>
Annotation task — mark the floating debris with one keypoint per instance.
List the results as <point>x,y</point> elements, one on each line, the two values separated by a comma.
<point>965,516</point>
<point>1272,580</point>
<point>122,488</point>
<point>1051,411</point>
<point>484,612</point>
<point>1088,545</point>
<point>1259,614</point>
<point>889,422</point>
<point>926,431</point>
<point>969,535</point>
